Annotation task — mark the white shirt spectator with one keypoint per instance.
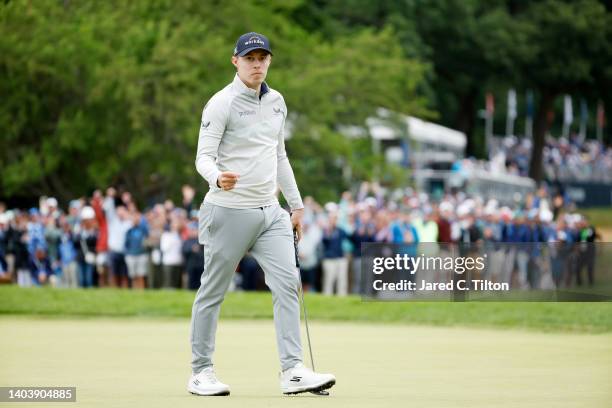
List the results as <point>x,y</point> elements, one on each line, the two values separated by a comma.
<point>170,245</point>
<point>117,228</point>
<point>307,246</point>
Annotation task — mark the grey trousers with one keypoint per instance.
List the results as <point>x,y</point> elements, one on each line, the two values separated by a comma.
<point>227,235</point>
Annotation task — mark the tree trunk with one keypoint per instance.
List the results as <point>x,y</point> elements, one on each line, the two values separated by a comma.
<point>465,119</point>
<point>58,189</point>
<point>539,132</point>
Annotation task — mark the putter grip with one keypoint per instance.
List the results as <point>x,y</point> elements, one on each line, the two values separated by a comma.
<point>295,248</point>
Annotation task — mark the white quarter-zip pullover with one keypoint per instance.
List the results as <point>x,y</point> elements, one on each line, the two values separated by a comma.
<point>243,132</point>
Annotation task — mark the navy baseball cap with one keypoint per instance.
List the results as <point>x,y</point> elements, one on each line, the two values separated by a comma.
<point>251,41</point>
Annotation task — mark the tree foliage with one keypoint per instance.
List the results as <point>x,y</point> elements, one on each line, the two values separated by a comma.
<point>100,93</point>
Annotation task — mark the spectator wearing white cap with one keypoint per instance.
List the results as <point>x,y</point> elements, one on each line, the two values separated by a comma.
<point>85,243</point>
<point>52,209</point>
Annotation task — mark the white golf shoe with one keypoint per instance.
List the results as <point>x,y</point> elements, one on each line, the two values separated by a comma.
<point>206,383</point>
<point>302,379</point>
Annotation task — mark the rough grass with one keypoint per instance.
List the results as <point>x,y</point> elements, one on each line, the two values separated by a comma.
<point>539,316</point>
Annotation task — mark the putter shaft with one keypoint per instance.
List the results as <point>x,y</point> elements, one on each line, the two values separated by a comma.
<point>301,289</point>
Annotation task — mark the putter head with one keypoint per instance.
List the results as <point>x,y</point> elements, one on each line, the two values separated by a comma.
<point>322,393</point>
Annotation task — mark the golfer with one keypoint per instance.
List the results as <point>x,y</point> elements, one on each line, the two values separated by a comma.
<point>241,154</point>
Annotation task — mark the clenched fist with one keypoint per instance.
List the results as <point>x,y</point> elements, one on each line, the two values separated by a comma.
<point>227,180</point>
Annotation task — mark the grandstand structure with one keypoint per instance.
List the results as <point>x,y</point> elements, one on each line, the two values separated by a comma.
<point>435,155</point>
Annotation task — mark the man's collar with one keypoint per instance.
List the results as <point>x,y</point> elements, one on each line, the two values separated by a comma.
<point>241,86</point>
<point>264,89</point>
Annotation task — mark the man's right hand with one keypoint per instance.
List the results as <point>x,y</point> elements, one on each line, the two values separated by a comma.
<point>227,180</point>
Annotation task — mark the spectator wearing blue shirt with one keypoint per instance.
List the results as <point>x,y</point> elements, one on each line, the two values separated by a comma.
<point>405,235</point>
<point>335,264</point>
<point>524,239</point>
<point>365,231</point>
<point>136,257</point>
<point>36,232</point>
<point>511,239</point>
<point>68,257</point>
<point>40,268</point>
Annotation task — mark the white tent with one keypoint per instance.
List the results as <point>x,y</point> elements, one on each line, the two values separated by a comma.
<point>382,128</point>
<point>427,132</point>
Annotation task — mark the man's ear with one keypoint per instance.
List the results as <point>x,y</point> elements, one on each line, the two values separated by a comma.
<point>235,61</point>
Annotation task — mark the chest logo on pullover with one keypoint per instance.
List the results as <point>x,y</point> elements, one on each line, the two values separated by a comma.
<point>277,111</point>
<point>246,113</point>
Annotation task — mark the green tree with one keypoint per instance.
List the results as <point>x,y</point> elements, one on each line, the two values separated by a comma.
<point>99,93</point>
<point>570,38</point>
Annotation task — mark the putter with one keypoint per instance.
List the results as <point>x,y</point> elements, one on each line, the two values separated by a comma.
<point>301,288</point>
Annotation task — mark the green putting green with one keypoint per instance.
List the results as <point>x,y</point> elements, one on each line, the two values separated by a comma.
<point>132,362</point>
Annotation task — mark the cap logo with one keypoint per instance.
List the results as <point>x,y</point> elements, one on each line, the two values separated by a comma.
<point>254,40</point>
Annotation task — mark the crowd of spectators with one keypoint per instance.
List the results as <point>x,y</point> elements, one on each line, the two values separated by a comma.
<point>101,241</point>
<point>564,159</point>
<point>106,240</point>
